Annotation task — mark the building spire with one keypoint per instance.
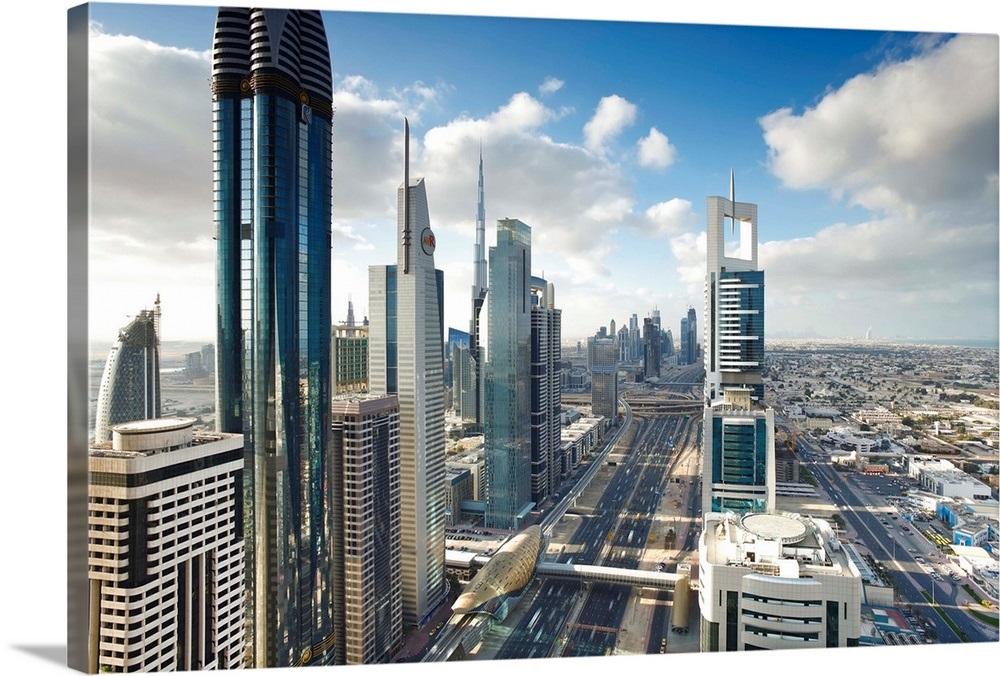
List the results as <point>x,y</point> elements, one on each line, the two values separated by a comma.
<point>406,196</point>
<point>479,254</point>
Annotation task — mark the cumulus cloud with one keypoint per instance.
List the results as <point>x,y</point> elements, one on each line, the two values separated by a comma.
<point>150,184</point>
<point>612,116</point>
<point>568,196</point>
<point>923,161</point>
<point>573,200</point>
<point>883,139</point>
<point>690,251</point>
<point>655,150</point>
<point>151,167</point>
<point>550,86</point>
<point>672,217</point>
<point>367,153</point>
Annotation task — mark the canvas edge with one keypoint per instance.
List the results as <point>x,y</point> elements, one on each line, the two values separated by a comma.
<point>78,188</point>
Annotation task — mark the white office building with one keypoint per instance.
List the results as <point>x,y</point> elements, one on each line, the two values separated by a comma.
<point>734,299</point>
<point>769,581</point>
<point>407,359</point>
<point>166,552</point>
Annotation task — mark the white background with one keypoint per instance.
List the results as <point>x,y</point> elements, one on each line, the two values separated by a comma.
<point>34,311</point>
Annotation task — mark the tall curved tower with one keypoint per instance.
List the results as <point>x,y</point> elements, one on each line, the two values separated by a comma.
<point>272,123</point>
<point>130,385</point>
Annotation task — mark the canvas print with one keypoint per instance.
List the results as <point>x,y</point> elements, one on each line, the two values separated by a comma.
<point>425,338</point>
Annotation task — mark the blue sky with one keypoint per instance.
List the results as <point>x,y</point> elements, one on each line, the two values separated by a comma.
<point>871,154</point>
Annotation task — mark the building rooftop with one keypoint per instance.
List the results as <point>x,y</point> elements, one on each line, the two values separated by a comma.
<point>786,545</point>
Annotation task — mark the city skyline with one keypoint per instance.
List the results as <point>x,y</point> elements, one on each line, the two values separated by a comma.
<point>617,216</point>
<point>33,644</point>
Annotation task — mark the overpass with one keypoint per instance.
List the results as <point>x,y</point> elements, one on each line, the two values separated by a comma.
<point>629,576</point>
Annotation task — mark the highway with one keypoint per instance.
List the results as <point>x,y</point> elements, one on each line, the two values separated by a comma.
<point>566,618</point>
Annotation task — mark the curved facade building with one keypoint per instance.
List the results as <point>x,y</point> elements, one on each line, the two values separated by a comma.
<point>769,581</point>
<point>130,385</point>
<point>506,573</point>
<point>272,128</point>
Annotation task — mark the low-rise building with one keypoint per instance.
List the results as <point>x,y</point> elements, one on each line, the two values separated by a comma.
<point>458,487</point>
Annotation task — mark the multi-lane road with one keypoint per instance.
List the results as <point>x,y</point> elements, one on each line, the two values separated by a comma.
<point>870,516</point>
<point>565,617</point>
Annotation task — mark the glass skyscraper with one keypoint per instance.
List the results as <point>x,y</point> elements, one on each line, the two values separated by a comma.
<point>507,412</point>
<point>604,377</point>
<point>272,125</point>
<point>739,473</point>
<point>130,385</point>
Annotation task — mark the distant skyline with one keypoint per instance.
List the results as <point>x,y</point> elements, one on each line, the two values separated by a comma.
<point>872,157</point>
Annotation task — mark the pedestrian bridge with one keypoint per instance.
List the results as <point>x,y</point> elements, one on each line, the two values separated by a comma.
<point>635,578</point>
<point>574,571</point>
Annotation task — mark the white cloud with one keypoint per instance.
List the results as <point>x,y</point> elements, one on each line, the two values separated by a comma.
<point>550,86</point>
<point>612,116</point>
<point>151,168</point>
<point>690,251</point>
<point>923,160</point>
<point>655,150</point>
<point>348,232</point>
<point>883,139</point>
<point>672,217</point>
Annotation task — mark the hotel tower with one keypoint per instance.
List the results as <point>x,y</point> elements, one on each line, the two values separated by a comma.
<point>272,126</point>
<point>738,470</point>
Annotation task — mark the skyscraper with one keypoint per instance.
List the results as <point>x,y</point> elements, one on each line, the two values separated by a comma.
<point>685,338</point>
<point>474,413</point>
<point>546,390</point>
<point>166,549</point>
<point>651,344</point>
<point>507,411</point>
<point>738,471</point>
<point>272,124</point>
<point>406,344</point>
<point>734,300</point>
<point>130,385</point>
<point>365,449</point>
<point>667,344</point>
<point>461,378</point>
<point>349,358</point>
<point>738,466</point>
<point>635,338</point>
<point>604,377</point>
<point>624,345</point>
<point>689,337</point>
